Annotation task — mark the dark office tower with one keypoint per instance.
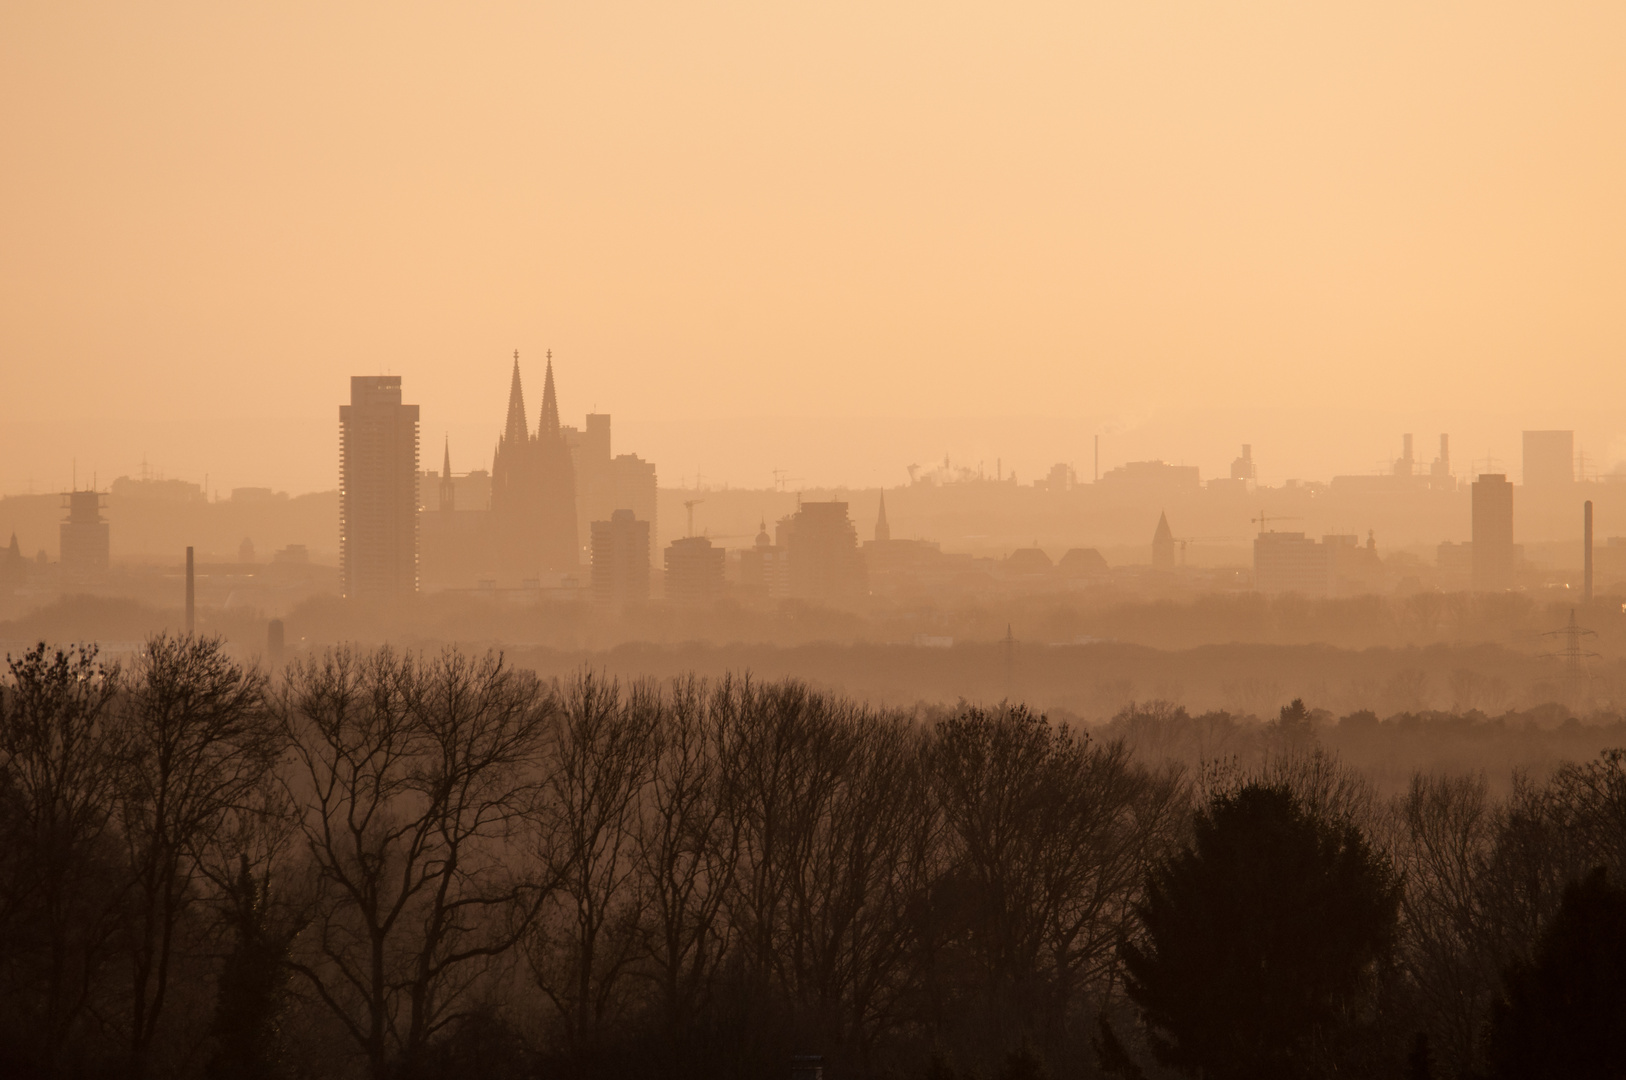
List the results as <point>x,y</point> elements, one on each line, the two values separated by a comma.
<point>1163,544</point>
<point>84,536</point>
<point>822,553</point>
<point>694,570</point>
<point>620,560</point>
<point>1493,552</point>
<point>883,531</point>
<point>533,489</point>
<point>1549,459</point>
<point>378,490</point>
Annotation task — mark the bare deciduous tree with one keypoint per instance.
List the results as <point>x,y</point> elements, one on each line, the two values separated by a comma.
<point>417,781</point>
<point>688,846</point>
<point>198,743</point>
<point>602,761</point>
<point>62,748</point>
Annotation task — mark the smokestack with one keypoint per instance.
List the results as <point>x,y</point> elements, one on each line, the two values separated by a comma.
<point>189,594</point>
<point>1586,552</point>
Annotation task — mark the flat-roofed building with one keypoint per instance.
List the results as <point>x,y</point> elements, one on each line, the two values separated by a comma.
<point>1494,556</point>
<point>620,560</point>
<point>85,537</point>
<point>694,570</point>
<point>1291,562</point>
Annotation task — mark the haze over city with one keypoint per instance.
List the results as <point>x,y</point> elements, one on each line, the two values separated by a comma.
<point>939,229</point>
<point>857,542</point>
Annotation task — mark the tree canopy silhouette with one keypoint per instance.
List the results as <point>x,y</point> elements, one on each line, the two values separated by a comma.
<point>1262,939</point>
<point>1564,1013</point>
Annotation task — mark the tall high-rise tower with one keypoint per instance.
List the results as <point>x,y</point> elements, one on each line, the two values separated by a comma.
<point>1493,552</point>
<point>85,534</point>
<point>378,490</point>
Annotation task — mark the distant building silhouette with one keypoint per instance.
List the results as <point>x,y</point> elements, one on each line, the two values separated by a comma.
<point>13,567</point>
<point>595,486</point>
<point>1291,562</point>
<point>1549,459</point>
<point>1495,558</point>
<point>85,536</point>
<point>1061,477</point>
<point>447,495</point>
<point>1163,545</point>
<point>533,490</point>
<point>1242,468</point>
<point>1153,474</point>
<point>620,573</point>
<point>823,552</point>
<point>378,490</point>
<point>1082,562</point>
<point>694,570</point>
<point>457,544</point>
<point>1406,463</point>
<point>634,487</point>
<point>1455,562</point>
<point>765,567</point>
<point>1028,562</point>
<point>1439,473</point>
<point>883,531</point>
<point>606,483</point>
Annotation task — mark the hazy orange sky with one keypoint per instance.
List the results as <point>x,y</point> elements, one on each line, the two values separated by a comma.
<point>836,238</point>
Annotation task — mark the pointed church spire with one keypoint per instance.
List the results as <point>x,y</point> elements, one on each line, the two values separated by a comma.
<point>448,487</point>
<point>550,404</point>
<point>883,531</point>
<point>516,430</point>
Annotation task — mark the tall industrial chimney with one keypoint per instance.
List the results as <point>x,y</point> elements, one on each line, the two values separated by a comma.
<point>1586,553</point>
<point>190,594</point>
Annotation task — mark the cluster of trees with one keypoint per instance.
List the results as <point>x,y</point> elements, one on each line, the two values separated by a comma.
<point>386,865</point>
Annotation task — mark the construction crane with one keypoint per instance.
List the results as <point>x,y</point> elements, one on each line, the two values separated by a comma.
<point>689,505</point>
<point>1261,519</point>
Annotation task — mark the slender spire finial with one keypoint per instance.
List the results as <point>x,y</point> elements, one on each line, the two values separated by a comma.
<point>516,429</point>
<point>550,403</point>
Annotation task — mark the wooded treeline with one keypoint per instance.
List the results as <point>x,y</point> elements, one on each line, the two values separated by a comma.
<point>388,865</point>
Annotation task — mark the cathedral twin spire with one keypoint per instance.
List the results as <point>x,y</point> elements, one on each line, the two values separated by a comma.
<point>517,427</point>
